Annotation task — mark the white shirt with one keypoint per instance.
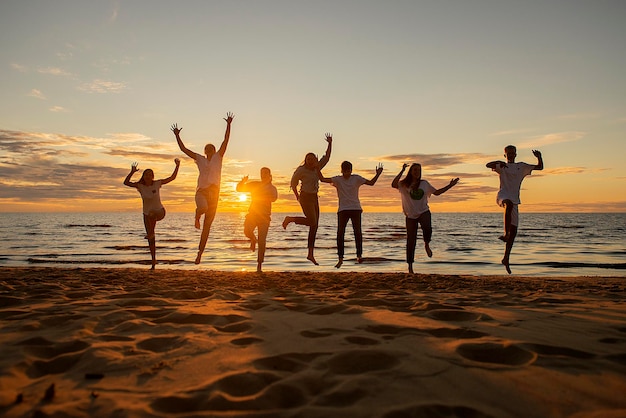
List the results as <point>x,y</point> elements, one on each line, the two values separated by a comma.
<point>348,191</point>
<point>150,196</point>
<point>210,171</point>
<point>511,178</point>
<point>415,202</point>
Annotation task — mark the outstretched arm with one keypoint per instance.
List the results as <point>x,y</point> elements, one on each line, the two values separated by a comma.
<point>492,165</point>
<point>539,165</point>
<point>448,187</point>
<point>241,186</point>
<point>182,146</point>
<point>174,174</point>
<point>379,170</point>
<point>229,119</point>
<point>396,179</point>
<point>133,170</point>
<point>322,178</point>
<point>324,160</point>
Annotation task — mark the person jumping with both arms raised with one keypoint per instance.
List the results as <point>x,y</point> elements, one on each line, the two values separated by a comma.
<point>153,210</point>
<point>306,175</point>
<point>347,185</point>
<point>511,175</point>
<point>209,178</point>
<point>414,193</point>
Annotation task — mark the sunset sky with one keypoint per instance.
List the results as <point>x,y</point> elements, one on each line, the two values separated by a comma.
<point>89,87</point>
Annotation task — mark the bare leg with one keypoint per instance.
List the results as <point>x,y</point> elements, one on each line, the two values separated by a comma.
<point>508,247</point>
<point>410,268</point>
<point>508,209</point>
<point>339,263</point>
<point>149,222</point>
<point>206,229</point>
<point>311,257</point>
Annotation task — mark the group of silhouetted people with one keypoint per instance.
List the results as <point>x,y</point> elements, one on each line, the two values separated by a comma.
<point>414,193</point>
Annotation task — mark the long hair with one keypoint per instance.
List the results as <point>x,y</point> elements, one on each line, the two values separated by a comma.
<point>306,156</point>
<point>408,180</point>
<point>142,180</point>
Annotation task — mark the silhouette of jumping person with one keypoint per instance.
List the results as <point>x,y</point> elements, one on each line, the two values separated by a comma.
<point>209,178</point>
<point>414,193</point>
<point>153,210</point>
<point>263,193</point>
<point>306,176</point>
<point>511,175</point>
<point>347,185</point>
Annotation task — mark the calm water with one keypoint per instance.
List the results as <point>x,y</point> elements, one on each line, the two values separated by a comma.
<point>467,243</point>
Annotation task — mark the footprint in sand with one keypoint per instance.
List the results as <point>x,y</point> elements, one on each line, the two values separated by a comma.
<point>362,361</point>
<point>497,354</point>
<point>322,332</point>
<point>361,340</point>
<point>246,341</point>
<point>161,344</point>
<point>437,411</point>
<point>455,315</point>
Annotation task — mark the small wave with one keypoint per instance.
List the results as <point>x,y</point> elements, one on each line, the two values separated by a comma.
<point>557,264</point>
<point>87,226</point>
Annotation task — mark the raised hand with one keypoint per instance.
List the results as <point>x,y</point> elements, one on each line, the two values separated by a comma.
<point>329,137</point>
<point>175,129</point>
<point>379,168</point>
<point>133,167</point>
<point>229,117</point>
<point>537,153</point>
<point>404,166</point>
<point>454,181</point>
<point>244,179</point>
<point>177,161</point>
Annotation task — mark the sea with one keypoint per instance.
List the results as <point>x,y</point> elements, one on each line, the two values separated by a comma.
<point>547,244</point>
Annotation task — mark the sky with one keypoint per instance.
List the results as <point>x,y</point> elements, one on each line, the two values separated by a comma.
<point>89,87</point>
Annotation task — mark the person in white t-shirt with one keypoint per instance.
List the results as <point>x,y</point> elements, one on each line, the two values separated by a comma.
<point>153,210</point>
<point>511,175</point>
<point>209,178</point>
<point>347,185</point>
<point>415,193</point>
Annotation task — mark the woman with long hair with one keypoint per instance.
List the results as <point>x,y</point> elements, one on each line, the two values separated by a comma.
<point>306,175</point>
<point>415,193</point>
<point>153,210</point>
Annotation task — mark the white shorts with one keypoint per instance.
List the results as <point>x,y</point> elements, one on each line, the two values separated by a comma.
<point>514,212</point>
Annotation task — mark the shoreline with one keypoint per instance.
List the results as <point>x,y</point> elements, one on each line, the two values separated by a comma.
<point>310,344</point>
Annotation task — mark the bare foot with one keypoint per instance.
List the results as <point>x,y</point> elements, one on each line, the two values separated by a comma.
<point>286,222</point>
<point>359,260</point>
<point>339,263</point>
<point>411,268</point>
<point>312,260</point>
<point>153,265</point>
<point>503,238</point>
<point>505,263</point>
<point>258,268</point>
<point>198,258</point>
<point>429,252</point>
<point>197,223</point>
<point>253,244</point>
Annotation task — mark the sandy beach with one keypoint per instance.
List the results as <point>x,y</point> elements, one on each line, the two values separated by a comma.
<point>171,343</point>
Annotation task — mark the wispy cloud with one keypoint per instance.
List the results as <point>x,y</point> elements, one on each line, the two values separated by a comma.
<point>54,71</point>
<point>58,109</point>
<point>552,138</point>
<point>579,116</point>
<point>19,67</point>
<point>37,94</point>
<point>103,86</point>
<point>435,161</point>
